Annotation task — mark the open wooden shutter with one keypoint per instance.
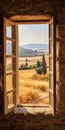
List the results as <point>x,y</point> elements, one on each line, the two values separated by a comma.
<point>52,62</point>
<point>10,65</point>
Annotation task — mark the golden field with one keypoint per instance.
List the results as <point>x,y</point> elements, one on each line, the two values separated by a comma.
<point>34,91</point>
<point>33,88</point>
<point>33,60</point>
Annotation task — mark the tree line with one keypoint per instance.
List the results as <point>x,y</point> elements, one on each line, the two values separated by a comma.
<point>40,66</point>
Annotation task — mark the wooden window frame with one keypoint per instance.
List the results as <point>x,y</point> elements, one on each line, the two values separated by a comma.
<point>54,59</point>
<point>13,56</point>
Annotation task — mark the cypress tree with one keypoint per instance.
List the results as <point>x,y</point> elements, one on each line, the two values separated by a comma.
<point>44,68</point>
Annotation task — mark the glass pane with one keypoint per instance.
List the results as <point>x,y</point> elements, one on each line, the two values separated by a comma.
<point>10,100</point>
<point>9,82</point>
<point>8,47</point>
<point>8,65</point>
<point>9,31</point>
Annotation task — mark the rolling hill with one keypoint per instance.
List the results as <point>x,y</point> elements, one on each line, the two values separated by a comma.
<point>29,49</point>
<point>38,46</point>
<point>26,52</point>
<point>33,49</point>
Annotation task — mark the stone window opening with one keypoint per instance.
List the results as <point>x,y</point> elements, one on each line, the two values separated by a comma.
<point>11,93</point>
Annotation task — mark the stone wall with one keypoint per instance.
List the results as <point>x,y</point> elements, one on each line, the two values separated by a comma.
<point>1,63</point>
<point>39,121</point>
<point>33,122</point>
<point>61,32</point>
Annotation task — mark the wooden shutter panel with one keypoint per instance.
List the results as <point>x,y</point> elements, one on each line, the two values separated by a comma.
<point>10,65</point>
<point>52,62</point>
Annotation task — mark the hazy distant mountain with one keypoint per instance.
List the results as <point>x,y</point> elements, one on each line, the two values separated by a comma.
<point>40,47</point>
<point>27,52</point>
<point>33,49</point>
<point>29,49</point>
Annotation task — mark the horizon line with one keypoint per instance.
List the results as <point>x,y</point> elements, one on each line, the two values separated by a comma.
<point>30,43</point>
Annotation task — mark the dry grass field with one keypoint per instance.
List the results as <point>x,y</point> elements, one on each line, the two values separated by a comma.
<point>33,60</point>
<point>33,89</point>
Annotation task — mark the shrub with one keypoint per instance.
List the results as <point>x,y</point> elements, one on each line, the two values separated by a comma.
<point>39,70</point>
<point>38,64</point>
<point>23,67</point>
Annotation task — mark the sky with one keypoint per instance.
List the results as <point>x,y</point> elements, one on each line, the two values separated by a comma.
<point>33,33</point>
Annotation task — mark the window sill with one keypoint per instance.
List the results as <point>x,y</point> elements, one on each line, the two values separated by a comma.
<point>24,109</point>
